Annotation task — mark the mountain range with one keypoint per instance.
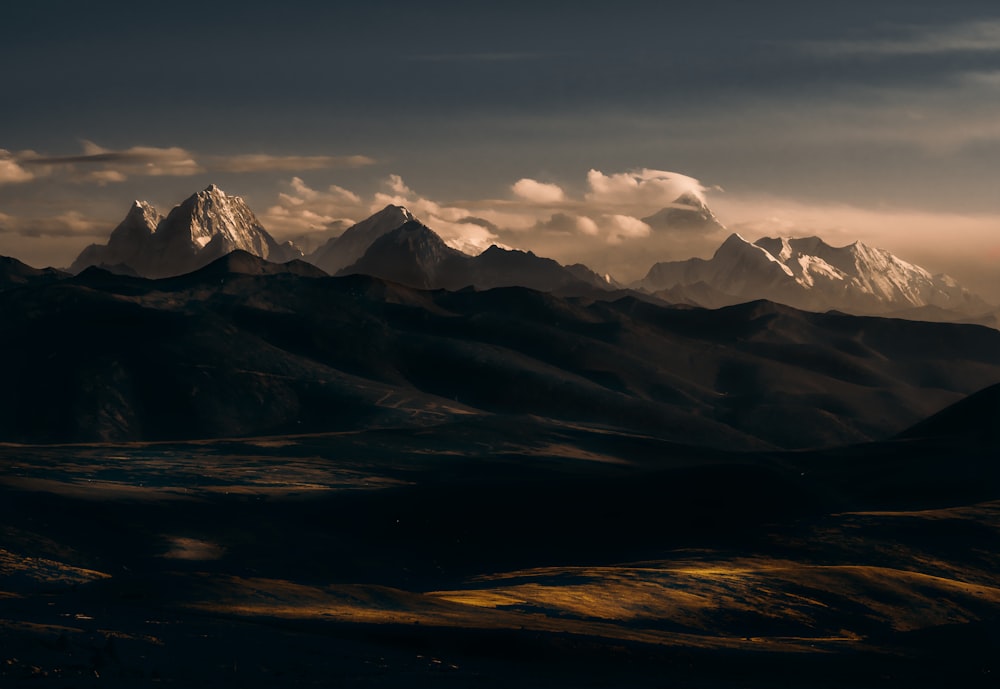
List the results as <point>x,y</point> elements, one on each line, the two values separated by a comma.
<point>809,274</point>
<point>206,226</point>
<point>245,346</point>
<point>414,255</point>
<point>392,244</point>
<point>279,476</point>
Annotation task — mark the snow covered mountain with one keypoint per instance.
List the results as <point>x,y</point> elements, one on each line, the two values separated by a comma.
<point>342,251</point>
<point>206,226</point>
<point>687,213</point>
<point>810,274</point>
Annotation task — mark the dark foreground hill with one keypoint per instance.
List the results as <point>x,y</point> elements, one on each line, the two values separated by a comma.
<point>14,273</point>
<point>496,551</point>
<point>243,347</point>
<point>450,489</point>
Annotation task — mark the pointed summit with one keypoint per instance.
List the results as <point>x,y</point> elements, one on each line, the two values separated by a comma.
<point>342,251</point>
<point>687,213</point>
<point>689,199</point>
<point>212,213</point>
<point>411,254</point>
<point>140,222</point>
<point>129,243</point>
<point>205,226</point>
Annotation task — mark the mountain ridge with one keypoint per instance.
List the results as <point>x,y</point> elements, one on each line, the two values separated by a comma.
<point>207,225</point>
<point>415,255</point>
<point>810,274</point>
<point>237,349</point>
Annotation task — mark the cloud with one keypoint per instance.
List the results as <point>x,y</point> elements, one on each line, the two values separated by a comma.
<point>477,57</point>
<point>538,192</point>
<point>643,192</point>
<point>134,161</point>
<point>70,223</point>
<point>304,210</point>
<point>11,172</point>
<point>151,161</point>
<point>563,223</point>
<point>260,162</point>
<point>965,37</point>
<point>623,227</point>
<point>105,177</point>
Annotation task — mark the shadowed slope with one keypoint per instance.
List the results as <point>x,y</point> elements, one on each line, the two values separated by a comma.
<point>247,347</point>
<point>976,418</point>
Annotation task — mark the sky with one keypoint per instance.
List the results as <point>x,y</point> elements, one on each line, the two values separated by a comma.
<point>554,127</point>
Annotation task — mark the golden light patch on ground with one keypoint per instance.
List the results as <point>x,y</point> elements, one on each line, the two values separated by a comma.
<point>184,548</point>
<point>376,605</point>
<point>751,596</point>
<point>52,630</point>
<point>152,473</point>
<point>571,452</point>
<point>908,601</point>
<point>272,442</point>
<point>96,490</point>
<point>984,512</point>
<point>18,567</point>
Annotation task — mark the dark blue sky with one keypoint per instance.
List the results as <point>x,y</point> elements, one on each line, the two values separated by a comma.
<point>873,105</point>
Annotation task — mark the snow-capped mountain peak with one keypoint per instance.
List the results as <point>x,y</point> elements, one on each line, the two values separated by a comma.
<point>687,212</point>
<point>342,251</point>
<point>144,211</point>
<point>212,213</point>
<point>736,247</point>
<point>140,222</point>
<point>815,275</point>
<point>205,226</point>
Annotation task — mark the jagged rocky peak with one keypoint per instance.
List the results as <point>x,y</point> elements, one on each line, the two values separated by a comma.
<point>205,226</point>
<point>779,247</point>
<point>138,225</point>
<point>213,213</point>
<point>145,213</point>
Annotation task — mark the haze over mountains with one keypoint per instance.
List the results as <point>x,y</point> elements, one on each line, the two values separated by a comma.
<point>806,273</point>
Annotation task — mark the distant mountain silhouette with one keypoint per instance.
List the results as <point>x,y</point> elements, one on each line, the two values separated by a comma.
<point>415,255</point>
<point>411,254</point>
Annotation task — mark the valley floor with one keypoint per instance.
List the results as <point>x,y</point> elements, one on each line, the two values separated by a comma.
<point>496,551</point>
